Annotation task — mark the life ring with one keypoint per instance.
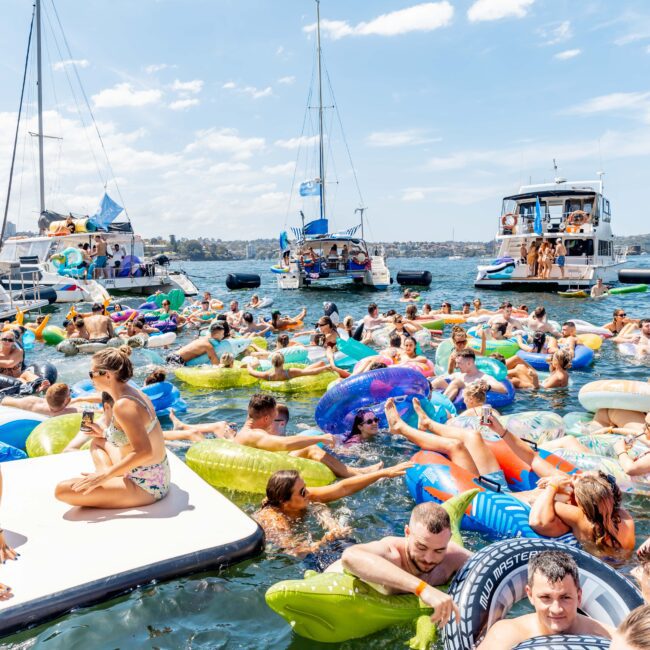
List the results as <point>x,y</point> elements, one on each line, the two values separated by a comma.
<point>225,464</point>
<point>160,340</point>
<point>498,400</point>
<point>216,378</point>
<point>583,357</point>
<point>489,366</point>
<point>494,579</point>
<point>336,410</point>
<point>509,221</point>
<point>615,393</point>
<point>578,218</point>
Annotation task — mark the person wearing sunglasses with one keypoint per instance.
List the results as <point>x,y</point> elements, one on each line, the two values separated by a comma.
<point>620,323</point>
<point>639,338</point>
<point>131,466</point>
<point>11,355</point>
<point>288,500</point>
<point>364,427</point>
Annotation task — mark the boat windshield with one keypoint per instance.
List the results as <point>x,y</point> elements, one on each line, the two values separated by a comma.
<point>14,249</point>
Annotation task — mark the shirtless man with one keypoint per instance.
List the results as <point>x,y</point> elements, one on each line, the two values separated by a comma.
<point>504,315</point>
<point>99,327</point>
<point>199,346</point>
<point>567,341</point>
<point>57,401</point>
<point>640,339</point>
<point>599,289</point>
<point>416,563</point>
<point>554,591</point>
<point>538,321</point>
<point>560,256</point>
<point>100,253</point>
<point>466,363</point>
<point>234,316</point>
<point>372,320</point>
<point>262,411</point>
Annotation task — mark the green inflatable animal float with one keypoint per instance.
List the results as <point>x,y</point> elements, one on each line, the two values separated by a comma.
<point>336,607</point>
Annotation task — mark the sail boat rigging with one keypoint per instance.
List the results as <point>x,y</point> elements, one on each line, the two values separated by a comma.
<point>317,255</point>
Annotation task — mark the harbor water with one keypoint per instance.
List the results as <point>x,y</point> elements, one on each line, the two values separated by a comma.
<point>226,609</point>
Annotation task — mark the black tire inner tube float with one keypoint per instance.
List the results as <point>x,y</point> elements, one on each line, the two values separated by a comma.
<point>414,278</point>
<point>14,386</point>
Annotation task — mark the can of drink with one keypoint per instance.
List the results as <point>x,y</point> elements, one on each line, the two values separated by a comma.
<point>486,412</point>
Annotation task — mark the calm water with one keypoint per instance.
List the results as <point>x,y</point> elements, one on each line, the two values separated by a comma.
<point>227,609</point>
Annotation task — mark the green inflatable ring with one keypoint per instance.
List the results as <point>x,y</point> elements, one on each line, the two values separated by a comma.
<point>506,348</point>
<point>213,377</point>
<point>336,607</point>
<point>53,335</point>
<point>433,325</point>
<point>310,384</point>
<point>225,464</point>
<point>53,435</point>
<point>176,299</point>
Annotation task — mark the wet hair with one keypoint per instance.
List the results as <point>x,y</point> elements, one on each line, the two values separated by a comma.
<point>502,328</point>
<point>317,339</point>
<point>279,488</point>
<point>406,293</point>
<point>523,308</point>
<point>218,326</point>
<point>79,321</point>
<point>445,305</point>
<point>569,323</point>
<point>618,310</point>
<point>636,628</point>
<point>227,360</point>
<point>371,307</point>
<point>348,322</point>
<point>156,376</point>
<point>539,340</point>
<point>107,399</point>
<point>563,359</point>
<point>260,404</point>
<point>598,496</point>
<point>505,305</point>
<point>117,360</point>
<point>96,307</point>
<point>274,317</point>
<point>359,417</point>
<point>398,318</point>
<point>283,411</point>
<point>377,365</point>
<point>467,353</point>
<point>67,322</point>
<point>643,321</point>
<point>477,390</point>
<point>539,312</point>
<point>277,360</point>
<point>427,306</point>
<point>554,566</point>
<point>407,339</point>
<point>432,516</point>
<point>390,312</point>
<point>57,395</point>
<point>325,320</point>
<point>248,317</point>
<point>498,357</point>
<point>139,323</point>
<point>282,341</point>
<point>395,340</point>
<point>411,311</point>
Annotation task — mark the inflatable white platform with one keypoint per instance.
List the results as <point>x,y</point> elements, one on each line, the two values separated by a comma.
<point>70,557</point>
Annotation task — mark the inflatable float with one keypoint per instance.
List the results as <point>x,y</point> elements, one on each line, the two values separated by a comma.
<point>583,357</point>
<point>215,377</point>
<point>72,347</point>
<point>615,394</point>
<point>16,425</point>
<point>535,426</point>
<point>489,366</point>
<point>225,464</point>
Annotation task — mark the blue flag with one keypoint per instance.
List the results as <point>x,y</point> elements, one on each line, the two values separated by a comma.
<point>310,188</point>
<point>107,212</point>
<point>538,217</point>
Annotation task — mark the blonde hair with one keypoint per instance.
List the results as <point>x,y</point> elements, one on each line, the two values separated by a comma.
<point>227,360</point>
<point>277,360</point>
<point>116,360</point>
<point>348,322</point>
<point>477,390</point>
<point>563,359</point>
<point>635,629</point>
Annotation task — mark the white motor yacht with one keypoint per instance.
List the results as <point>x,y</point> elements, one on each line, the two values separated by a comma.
<point>574,212</point>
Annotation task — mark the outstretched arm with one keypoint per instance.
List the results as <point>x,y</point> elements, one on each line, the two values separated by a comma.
<point>290,443</point>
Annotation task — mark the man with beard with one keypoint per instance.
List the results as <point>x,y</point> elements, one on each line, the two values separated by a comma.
<point>416,563</point>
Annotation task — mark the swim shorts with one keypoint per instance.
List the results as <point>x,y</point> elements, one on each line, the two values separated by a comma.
<point>175,359</point>
<point>499,478</point>
<point>100,261</point>
<point>560,260</point>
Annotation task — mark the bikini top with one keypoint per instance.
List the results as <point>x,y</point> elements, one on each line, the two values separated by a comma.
<point>117,437</point>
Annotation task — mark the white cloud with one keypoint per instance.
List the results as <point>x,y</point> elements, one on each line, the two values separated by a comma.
<point>399,138</point>
<point>193,87</point>
<point>567,54</point>
<point>295,143</point>
<point>157,67</point>
<point>287,81</point>
<point>424,17</point>
<point>255,93</point>
<point>283,169</point>
<point>182,104</point>
<point>61,65</point>
<point>125,95</point>
<point>556,33</point>
<point>226,141</point>
<point>280,50</point>
<point>637,103</point>
<point>484,10</point>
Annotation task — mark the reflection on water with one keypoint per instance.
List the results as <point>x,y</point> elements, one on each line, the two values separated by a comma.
<point>227,609</point>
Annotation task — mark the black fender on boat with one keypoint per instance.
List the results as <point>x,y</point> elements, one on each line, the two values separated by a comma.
<point>414,278</point>
<point>242,281</point>
<point>634,276</point>
<point>494,579</point>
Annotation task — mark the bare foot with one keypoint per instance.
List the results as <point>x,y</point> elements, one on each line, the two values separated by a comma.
<point>424,421</point>
<point>395,422</point>
<point>358,471</point>
<point>175,421</point>
<point>5,592</point>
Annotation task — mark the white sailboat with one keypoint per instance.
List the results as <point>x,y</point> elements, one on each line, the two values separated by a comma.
<point>53,258</point>
<point>316,255</point>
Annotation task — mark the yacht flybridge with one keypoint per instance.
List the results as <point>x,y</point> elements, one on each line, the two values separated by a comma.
<point>575,213</point>
<point>317,256</point>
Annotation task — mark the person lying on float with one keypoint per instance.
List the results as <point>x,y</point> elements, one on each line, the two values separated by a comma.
<point>423,559</point>
<point>553,589</point>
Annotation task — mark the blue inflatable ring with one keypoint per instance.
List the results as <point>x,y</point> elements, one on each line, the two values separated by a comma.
<point>498,400</point>
<point>583,357</point>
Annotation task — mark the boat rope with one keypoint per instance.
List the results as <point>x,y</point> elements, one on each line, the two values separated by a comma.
<point>20,109</point>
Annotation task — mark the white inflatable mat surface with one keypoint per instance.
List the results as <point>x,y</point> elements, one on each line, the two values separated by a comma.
<point>72,556</point>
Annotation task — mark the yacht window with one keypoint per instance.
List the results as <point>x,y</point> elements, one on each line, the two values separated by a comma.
<point>606,210</point>
<point>605,248</point>
<point>579,247</point>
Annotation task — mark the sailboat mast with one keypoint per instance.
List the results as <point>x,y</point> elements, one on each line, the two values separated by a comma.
<point>321,159</point>
<point>41,166</point>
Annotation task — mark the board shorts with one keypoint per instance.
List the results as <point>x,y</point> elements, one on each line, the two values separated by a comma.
<point>175,359</point>
<point>560,260</point>
<point>100,261</point>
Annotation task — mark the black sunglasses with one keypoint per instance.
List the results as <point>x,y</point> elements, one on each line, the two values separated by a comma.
<point>303,491</point>
<point>621,315</point>
<point>93,373</point>
<point>371,421</point>
<point>7,340</point>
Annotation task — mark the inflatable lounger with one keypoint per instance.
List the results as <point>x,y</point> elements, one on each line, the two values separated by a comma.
<point>63,561</point>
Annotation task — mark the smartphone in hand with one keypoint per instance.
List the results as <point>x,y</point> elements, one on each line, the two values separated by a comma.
<point>87,418</point>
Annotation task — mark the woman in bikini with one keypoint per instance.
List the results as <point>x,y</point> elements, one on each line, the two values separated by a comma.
<point>131,467</point>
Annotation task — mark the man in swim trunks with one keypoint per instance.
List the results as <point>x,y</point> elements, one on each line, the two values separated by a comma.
<point>262,411</point>
<point>57,401</point>
<point>99,327</point>
<point>199,346</point>
<point>554,591</point>
<point>100,253</point>
<point>466,363</point>
<point>416,563</point>
<point>567,341</point>
<point>599,289</point>
<point>560,256</point>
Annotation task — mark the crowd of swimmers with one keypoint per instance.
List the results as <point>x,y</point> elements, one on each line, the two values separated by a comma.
<point>132,470</point>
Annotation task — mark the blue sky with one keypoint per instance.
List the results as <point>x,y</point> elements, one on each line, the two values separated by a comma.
<point>446,106</point>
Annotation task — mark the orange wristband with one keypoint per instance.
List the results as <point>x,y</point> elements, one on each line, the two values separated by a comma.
<point>420,588</point>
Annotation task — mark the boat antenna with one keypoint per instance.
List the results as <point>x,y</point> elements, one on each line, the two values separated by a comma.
<point>321,158</point>
<point>361,210</point>
<point>39,81</point>
<point>20,110</point>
